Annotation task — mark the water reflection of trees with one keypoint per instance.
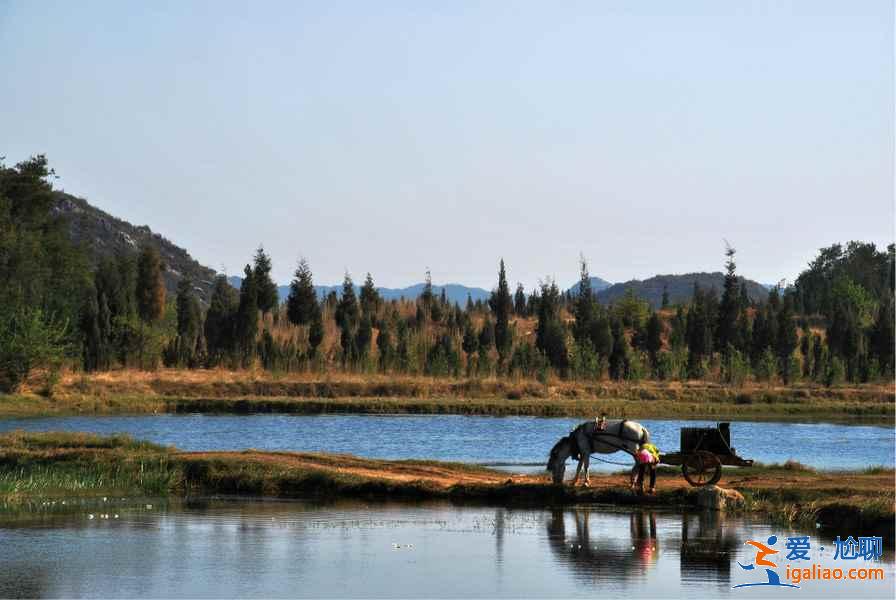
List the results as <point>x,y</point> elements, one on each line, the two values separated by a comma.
<point>595,545</point>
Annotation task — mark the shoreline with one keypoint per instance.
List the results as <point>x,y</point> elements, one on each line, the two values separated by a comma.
<point>60,465</point>
<point>251,392</point>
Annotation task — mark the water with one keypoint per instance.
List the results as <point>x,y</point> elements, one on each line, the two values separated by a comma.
<point>516,442</point>
<point>258,548</point>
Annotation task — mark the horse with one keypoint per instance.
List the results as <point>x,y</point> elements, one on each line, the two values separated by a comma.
<point>586,439</point>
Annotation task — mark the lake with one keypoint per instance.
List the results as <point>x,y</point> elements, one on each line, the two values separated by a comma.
<point>515,443</point>
<point>265,548</point>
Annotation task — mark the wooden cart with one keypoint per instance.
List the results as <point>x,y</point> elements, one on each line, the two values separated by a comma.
<point>703,452</point>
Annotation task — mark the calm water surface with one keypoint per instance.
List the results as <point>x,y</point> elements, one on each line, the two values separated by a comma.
<point>215,548</point>
<point>512,441</point>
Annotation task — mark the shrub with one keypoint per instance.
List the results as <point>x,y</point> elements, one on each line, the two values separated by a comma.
<point>29,339</point>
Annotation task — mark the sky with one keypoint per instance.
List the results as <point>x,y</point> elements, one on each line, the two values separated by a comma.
<point>392,137</point>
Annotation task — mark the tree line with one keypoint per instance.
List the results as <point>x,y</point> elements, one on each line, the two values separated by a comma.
<point>834,324</point>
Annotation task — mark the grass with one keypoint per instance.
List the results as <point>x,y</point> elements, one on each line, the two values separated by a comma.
<point>39,466</point>
<point>169,390</point>
<point>73,464</point>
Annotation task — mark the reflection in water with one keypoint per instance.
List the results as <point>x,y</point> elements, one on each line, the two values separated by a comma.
<point>228,547</point>
<point>607,553</point>
<point>707,546</point>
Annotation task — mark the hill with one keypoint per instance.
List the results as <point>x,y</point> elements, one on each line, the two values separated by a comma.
<point>597,284</point>
<point>455,292</point>
<point>105,236</point>
<point>680,287</point>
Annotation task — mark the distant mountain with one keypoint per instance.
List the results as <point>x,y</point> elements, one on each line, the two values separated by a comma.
<point>455,292</point>
<point>680,287</point>
<point>597,284</point>
<point>104,235</point>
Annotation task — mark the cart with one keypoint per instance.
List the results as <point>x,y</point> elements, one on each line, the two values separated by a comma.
<point>703,452</point>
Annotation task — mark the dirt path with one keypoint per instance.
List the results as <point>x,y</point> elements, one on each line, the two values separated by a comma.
<point>446,475</point>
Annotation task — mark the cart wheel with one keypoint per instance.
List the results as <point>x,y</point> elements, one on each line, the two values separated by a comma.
<point>701,468</point>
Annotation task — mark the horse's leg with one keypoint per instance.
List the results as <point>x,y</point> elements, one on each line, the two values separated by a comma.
<point>575,479</point>
<point>587,460</point>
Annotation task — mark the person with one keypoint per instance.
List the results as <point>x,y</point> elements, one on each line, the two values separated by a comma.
<point>647,456</point>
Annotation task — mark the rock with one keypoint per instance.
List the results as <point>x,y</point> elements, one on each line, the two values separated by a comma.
<point>715,498</point>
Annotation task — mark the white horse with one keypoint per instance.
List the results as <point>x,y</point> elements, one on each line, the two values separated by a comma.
<point>586,439</point>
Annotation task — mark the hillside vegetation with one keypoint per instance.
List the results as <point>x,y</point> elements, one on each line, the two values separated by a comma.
<point>63,310</point>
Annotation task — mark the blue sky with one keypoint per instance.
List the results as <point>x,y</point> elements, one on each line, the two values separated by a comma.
<point>394,136</point>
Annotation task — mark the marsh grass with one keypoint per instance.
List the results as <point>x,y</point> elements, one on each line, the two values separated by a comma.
<point>218,390</point>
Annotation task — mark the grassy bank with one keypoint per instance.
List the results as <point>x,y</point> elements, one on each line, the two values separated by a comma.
<point>58,465</point>
<point>251,391</point>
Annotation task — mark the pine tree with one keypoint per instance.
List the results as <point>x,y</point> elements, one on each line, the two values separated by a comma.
<point>665,300</point>
<point>370,298</point>
<point>363,336</point>
<point>787,339</point>
<point>882,335</point>
<point>247,317</point>
<point>470,343</point>
<point>501,305</point>
<point>90,331</point>
<point>729,307</point>
<point>220,320</point>
<point>654,342</point>
<point>150,286</point>
<point>301,304</point>
<point>584,307</point>
<point>268,297</point>
<point>519,301</point>
<point>550,333</point>
<point>189,322</point>
<point>347,314</point>
<point>487,336</point>
<point>427,297</point>
<point>315,331</point>
<point>384,345</point>
<point>620,357</point>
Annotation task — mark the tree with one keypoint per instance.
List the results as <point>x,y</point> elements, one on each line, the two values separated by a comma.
<point>189,322</point>
<point>654,341</point>
<point>301,304</point>
<point>90,332</point>
<point>268,297</point>
<point>426,297</point>
<point>729,307</point>
<point>220,320</point>
<point>347,313</point>
<point>619,359</point>
<point>40,266</point>
<point>787,338</point>
<point>501,305</point>
<point>519,301</point>
<point>470,344</point>
<point>370,298</point>
<point>150,285</point>
<point>384,345</point>
<point>487,336</point>
<point>247,317</point>
<point>665,300</point>
<point>29,339</point>
<point>363,336</point>
<point>584,307</point>
<point>550,333</point>
<point>882,335</point>
<point>315,331</point>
